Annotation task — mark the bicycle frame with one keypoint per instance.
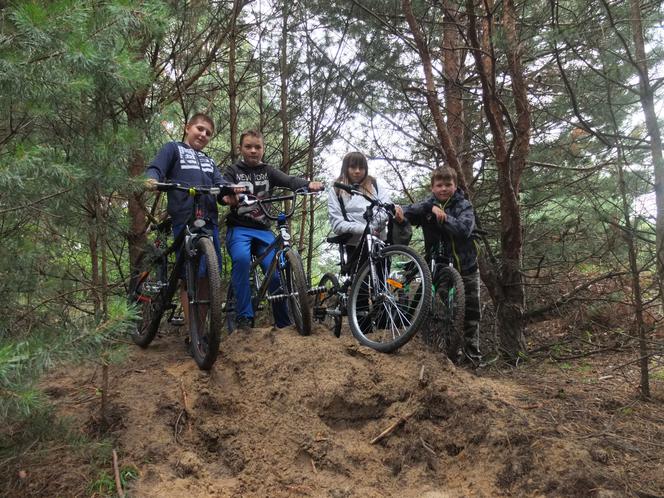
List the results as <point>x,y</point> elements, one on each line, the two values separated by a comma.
<point>286,261</point>
<point>369,243</point>
<point>155,288</point>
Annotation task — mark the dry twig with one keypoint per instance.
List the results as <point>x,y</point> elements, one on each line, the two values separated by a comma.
<point>400,422</point>
<point>116,473</point>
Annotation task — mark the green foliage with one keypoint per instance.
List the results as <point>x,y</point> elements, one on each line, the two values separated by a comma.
<point>104,485</point>
<point>23,361</point>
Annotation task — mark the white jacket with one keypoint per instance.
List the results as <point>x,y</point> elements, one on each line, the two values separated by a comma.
<point>355,207</point>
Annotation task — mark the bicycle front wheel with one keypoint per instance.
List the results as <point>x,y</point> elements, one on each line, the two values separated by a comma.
<point>445,332</point>
<point>229,309</point>
<point>327,309</point>
<point>386,313</point>
<point>205,319</point>
<point>147,293</point>
<point>294,285</point>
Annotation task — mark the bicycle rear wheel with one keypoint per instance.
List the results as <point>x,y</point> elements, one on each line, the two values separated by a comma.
<point>445,332</point>
<point>294,285</point>
<point>205,320</point>
<point>327,309</point>
<point>385,314</point>
<point>147,293</point>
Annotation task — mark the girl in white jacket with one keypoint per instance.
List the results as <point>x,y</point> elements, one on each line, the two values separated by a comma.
<point>346,212</point>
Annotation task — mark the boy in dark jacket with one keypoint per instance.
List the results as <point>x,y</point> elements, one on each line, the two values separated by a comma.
<point>248,230</point>
<point>447,217</point>
<point>186,163</point>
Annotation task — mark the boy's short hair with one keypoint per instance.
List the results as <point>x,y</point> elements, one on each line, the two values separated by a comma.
<point>199,116</point>
<point>444,174</point>
<point>252,132</point>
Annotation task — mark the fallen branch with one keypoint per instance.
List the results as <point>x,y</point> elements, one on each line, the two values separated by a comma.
<point>185,403</point>
<point>116,472</point>
<point>422,379</point>
<point>394,426</point>
<point>186,411</point>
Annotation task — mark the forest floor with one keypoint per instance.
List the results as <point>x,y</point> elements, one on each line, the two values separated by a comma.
<point>284,415</point>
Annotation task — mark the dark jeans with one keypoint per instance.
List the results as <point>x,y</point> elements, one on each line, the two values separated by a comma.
<point>471,325</point>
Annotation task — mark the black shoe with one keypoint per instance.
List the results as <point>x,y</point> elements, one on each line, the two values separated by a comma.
<point>244,324</point>
<point>189,347</point>
<point>470,360</point>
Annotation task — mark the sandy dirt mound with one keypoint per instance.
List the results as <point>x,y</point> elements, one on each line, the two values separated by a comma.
<point>284,415</point>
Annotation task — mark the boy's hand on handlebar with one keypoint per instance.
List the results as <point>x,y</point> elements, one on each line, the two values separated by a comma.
<point>150,184</point>
<point>398,214</point>
<point>231,200</point>
<point>316,186</point>
<point>439,214</point>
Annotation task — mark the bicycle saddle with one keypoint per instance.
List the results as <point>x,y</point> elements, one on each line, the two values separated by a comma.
<point>340,239</point>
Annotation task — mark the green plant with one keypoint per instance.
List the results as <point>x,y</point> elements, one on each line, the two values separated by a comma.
<point>104,485</point>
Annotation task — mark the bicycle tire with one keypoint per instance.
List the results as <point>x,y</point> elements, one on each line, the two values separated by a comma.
<point>445,332</point>
<point>392,317</point>
<point>205,320</point>
<point>229,310</point>
<point>294,284</point>
<point>147,293</point>
<point>328,299</point>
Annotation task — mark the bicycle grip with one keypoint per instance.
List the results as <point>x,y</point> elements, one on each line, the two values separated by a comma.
<point>343,186</point>
<point>166,187</point>
<point>228,189</point>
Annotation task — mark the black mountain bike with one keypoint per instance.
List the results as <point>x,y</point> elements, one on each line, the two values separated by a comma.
<point>386,294</point>
<point>153,287</point>
<point>445,329</point>
<point>279,206</point>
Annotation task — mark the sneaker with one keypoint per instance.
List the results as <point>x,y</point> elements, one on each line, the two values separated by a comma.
<point>243,324</point>
<point>188,346</point>
<point>471,361</point>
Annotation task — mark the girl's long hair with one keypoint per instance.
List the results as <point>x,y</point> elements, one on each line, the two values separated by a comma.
<point>355,159</point>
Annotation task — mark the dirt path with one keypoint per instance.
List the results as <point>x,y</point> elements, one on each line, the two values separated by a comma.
<point>284,415</point>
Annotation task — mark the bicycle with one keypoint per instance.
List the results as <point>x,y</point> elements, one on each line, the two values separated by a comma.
<point>385,297</point>
<point>153,287</point>
<point>446,320</point>
<point>278,207</point>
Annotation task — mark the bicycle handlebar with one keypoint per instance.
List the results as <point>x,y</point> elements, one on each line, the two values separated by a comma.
<point>355,190</point>
<point>249,200</point>
<point>197,190</point>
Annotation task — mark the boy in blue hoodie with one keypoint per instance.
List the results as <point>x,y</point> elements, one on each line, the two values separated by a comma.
<point>447,217</point>
<point>185,163</point>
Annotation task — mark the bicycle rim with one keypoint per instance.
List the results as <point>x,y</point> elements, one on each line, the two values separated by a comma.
<point>294,284</point>
<point>327,309</point>
<point>385,314</point>
<point>146,293</point>
<point>449,313</point>
<point>205,305</point>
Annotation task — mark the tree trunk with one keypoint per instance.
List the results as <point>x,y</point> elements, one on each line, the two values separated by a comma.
<point>510,161</point>
<point>136,237</point>
<point>232,85</point>
<point>433,102</point>
<point>93,242</point>
<point>647,97</point>
<point>637,297</point>
<point>454,106</point>
<point>283,89</point>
